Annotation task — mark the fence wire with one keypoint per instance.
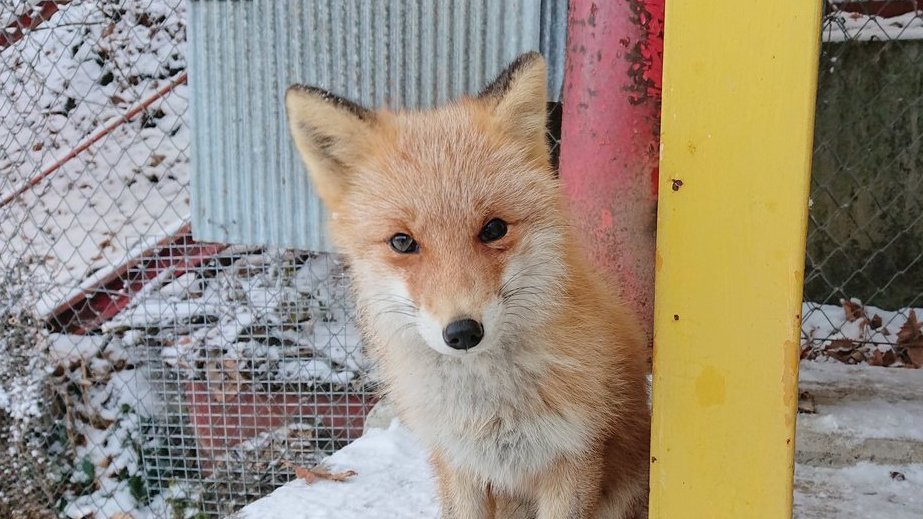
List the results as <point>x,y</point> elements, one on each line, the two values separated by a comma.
<point>143,374</point>
<point>864,271</point>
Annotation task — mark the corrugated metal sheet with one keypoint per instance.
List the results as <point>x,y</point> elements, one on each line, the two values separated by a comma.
<point>248,186</point>
<point>553,41</point>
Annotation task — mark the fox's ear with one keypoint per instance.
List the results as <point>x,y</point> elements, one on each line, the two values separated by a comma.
<point>518,98</point>
<point>330,133</point>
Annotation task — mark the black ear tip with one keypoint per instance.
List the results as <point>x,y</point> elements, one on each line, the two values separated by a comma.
<point>329,97</point>
<point>298,88</point>
<point>530,57</point>
<point>500,85</point>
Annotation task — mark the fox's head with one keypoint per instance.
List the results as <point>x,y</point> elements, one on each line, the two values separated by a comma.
<point>450,217</point>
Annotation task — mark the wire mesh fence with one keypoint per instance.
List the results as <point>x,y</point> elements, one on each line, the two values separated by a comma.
<point>864,272</point>
<point>147,375</point>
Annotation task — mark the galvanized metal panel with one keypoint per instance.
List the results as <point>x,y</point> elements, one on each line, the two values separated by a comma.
<point>553,41</point>
<point>248,186</point>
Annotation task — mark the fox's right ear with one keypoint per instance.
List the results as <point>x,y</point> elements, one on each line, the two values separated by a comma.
<point>330,133</point>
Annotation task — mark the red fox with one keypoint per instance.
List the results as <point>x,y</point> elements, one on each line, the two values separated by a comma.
<point>499,346</point>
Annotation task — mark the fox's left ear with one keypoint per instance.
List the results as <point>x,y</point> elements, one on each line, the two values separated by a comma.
<point>518,99</point>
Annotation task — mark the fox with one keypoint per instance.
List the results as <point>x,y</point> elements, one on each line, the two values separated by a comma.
<point>500,347</point>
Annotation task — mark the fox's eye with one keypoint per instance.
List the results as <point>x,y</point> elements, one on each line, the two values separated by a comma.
<point>493,230</point>
<point>404,244</point>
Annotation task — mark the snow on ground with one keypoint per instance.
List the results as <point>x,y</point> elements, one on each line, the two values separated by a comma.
<point>864,402</point>
<point>846,26</point>
<point>394,480</point>
<point>86,66</point>
<point>865,490</point>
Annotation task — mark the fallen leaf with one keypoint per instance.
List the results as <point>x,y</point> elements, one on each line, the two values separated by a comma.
<point>885,359</point>
<point>910,331</point>
<point>312,475</point>
<point>875,323</point>
<point>842,350</point>
<point>806,403</point>
<point>853,310</point>
<point>910,340</point>
<point>842,345</point>
<point>806,352</point>
<point>877,358</point>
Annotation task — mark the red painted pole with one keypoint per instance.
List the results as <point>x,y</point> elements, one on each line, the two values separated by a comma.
<point>609,138</point>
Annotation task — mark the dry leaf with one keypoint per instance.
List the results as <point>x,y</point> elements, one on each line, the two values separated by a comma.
<point>843,350</point>
<point>910,340</point>
<point>875,323</point>
<point>916,356</point>
<point>108,30</point>
<point>841,345</point>
<point>853,310</point>
<point>885,359</point>
<point>806,403</point>
<point>312,475</point>
<point>910,332</point>
<point>806,352</point>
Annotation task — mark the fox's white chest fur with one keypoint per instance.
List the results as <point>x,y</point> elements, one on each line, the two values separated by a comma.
<point>485,413</point>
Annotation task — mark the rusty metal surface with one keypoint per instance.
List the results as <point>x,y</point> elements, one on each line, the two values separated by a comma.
<point>609,138</point>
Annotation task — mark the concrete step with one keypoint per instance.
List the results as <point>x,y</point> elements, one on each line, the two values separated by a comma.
<point>861,453</point>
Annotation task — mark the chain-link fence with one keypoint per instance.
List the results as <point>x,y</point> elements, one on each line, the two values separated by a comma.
<point>144,374</point>
<point>864,272</point>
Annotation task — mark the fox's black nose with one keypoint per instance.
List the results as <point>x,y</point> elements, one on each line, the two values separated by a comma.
<point>463,334</point>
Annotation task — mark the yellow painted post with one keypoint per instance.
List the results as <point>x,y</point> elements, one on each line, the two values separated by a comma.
<point>737,128</point>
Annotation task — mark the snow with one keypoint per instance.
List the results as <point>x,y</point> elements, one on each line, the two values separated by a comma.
<point>86,66</point>
<point>881,402</point>
<point>845,26</point>
<point>393,480</point>
<point>64,348</point>
<point>865,490</point>
<point>306,333</point>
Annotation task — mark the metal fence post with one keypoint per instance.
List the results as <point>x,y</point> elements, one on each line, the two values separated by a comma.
<point>738,117</point>
<point>609,138</point>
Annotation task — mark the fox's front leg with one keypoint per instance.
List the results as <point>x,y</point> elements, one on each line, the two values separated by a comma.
<point>461,495</point>
<point>570,490</point>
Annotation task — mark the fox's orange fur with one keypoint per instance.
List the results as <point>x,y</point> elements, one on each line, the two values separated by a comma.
<point>547,416</point>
